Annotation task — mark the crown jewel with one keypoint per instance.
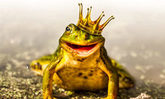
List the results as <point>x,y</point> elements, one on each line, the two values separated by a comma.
<point>90,26</point>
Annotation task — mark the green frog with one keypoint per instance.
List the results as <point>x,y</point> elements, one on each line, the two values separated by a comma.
<point>81,61</point>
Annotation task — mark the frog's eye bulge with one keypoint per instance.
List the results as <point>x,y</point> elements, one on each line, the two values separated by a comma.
<point>68,28</point>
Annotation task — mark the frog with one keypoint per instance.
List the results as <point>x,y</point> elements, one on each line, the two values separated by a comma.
<point>81,62</point>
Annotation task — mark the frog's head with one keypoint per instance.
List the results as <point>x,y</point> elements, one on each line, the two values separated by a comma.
<point>84,38</point>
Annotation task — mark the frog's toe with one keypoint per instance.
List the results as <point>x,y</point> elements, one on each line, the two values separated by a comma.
<point>108,97</point>
<point>36,67</point>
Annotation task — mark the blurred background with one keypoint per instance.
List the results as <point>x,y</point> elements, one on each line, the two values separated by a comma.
<point>31,28</point>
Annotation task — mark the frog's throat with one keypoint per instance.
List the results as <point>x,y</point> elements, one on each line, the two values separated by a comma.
<point>81,50</point>
<point>92,27</point>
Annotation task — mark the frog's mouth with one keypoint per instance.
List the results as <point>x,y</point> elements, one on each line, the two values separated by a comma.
<point>82,50</point>
<point>81,47</point>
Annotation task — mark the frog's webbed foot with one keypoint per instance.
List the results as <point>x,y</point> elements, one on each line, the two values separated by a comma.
<point>47,96</point>
<point>109,97</point>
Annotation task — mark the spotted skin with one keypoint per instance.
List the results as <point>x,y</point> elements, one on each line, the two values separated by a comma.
<point>68,77</point>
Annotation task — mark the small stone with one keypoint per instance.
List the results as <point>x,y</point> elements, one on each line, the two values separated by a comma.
<point>163,70</point>
<point>142,77</point>
<point>133,54</point>
<point>142,96</point>
<point>140,68</point>
<point>69,93</point>
<point>162,76</point>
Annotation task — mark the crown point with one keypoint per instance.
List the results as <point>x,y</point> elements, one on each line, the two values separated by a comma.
<point>80,12</point>
<point>90,9</point>
<point>88,14</point>
<point>113,17</point>
<point>100,17</point>
<point>108,20</point>
<point>79,4</point>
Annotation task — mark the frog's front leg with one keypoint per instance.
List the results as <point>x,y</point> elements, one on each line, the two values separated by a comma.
<point>112,82</point>
<point>48,79</point>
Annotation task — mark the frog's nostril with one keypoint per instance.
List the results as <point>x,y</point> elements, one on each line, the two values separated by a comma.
<point>86,36</point>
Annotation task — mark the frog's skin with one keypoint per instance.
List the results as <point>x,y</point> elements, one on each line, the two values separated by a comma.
<point>81,63</point>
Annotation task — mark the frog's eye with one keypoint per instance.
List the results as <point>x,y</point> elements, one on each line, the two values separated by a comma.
<point>68,28</point>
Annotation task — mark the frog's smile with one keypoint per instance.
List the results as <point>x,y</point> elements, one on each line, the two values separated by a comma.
<point>82,50</point>
<point>81,47</point>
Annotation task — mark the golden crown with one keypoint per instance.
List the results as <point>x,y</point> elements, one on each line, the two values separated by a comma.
<point>90,26</point>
